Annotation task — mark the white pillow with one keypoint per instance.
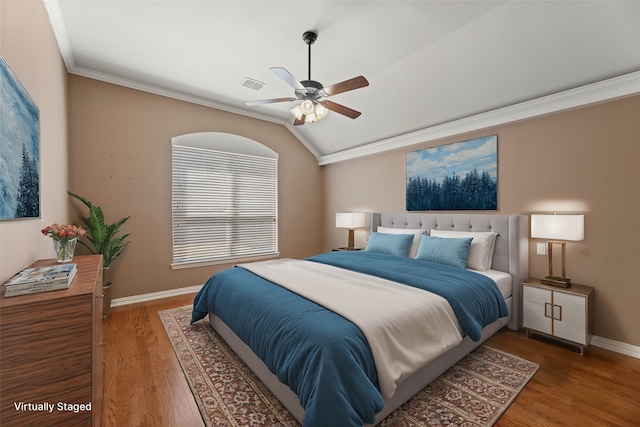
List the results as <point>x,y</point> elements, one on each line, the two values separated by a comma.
<point>482,246</point>
<point>417,235</point>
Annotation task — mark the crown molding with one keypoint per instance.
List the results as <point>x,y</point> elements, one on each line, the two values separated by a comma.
<point>617,87</point>
<point>156,90</point>
<point>168,93</point>
<point>60,33</point>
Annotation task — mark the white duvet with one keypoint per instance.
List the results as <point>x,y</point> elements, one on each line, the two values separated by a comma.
<point>406,327</point>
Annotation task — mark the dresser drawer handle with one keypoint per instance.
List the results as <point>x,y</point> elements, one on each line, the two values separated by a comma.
<point>99,296</point>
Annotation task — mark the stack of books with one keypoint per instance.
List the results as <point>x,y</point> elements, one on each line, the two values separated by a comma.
<point>40,279</point>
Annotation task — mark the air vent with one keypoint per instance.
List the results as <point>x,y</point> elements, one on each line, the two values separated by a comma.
<point>252,84</point>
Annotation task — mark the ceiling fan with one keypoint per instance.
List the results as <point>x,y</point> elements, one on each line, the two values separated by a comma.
<point>314,105</point>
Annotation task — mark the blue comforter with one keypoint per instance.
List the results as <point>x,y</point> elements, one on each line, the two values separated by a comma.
<point>322,357</point>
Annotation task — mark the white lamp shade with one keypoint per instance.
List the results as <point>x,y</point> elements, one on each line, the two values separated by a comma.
<point>350,220</point>
<point>311,111</point>
<point>321,111</point>
<point>557,227</point>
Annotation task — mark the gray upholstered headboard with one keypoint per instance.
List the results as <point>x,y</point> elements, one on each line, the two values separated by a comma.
<point>512,243</point>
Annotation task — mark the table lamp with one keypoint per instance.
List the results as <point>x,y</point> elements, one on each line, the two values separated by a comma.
<point>350,220</point>
<point>557,228</point>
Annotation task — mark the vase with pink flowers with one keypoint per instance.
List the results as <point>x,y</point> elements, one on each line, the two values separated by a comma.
<point>64,238</point>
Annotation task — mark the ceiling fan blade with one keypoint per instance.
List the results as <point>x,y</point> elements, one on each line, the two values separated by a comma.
<point>288,78</point>
<point>345,86</point>
<point>298,122</point>
<point>341,109</point>
<point>269,101</point>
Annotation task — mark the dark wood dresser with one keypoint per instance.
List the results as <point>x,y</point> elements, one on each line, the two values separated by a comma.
<point>52,352</point>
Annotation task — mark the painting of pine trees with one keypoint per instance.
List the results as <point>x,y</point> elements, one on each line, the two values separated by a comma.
<point>459,176</point>
<point>20,149</point>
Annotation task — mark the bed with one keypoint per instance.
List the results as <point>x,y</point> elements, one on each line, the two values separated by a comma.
<point>355,389</point>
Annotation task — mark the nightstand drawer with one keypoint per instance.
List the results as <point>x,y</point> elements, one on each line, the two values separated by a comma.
<point>536,295</point>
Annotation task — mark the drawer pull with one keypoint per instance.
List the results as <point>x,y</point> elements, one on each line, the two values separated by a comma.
<point>559,311</point>
<point>548,310</point>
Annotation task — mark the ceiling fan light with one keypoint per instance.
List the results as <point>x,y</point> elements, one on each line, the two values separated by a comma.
<point>297,112</point>
<point>321,111</point>
<point>307,107</point>
<point>312,111</point>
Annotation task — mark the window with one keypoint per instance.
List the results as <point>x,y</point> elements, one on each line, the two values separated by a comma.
<point>224,199</point>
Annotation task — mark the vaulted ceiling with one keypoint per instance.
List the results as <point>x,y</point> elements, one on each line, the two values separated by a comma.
<point>435,68</point>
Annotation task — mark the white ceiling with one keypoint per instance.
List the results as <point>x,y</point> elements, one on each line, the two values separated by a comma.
<point>435,68</point>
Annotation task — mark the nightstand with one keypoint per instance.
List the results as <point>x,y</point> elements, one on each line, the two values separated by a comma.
<point>346,249</point>
<point>565,314</point>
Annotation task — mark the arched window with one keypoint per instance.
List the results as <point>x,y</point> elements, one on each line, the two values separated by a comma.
<point>224,199</point>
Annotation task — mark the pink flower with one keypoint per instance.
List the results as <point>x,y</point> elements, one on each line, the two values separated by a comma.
<point>63,232</point>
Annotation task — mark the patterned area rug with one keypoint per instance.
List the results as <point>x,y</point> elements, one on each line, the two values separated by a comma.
<point>474,392</point>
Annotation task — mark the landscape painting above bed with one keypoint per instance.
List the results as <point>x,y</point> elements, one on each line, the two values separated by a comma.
<point>458,176</point>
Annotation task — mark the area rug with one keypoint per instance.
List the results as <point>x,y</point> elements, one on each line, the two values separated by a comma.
<point>474,392</point>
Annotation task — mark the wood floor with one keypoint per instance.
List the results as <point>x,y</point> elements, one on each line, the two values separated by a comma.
<point>145,385</point>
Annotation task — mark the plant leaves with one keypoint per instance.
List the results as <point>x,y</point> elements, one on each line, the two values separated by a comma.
<point>100,234</point>
<point>98,228</point>
<point>82,199</point>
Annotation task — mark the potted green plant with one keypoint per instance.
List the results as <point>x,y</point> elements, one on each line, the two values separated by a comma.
<point>103,240</point>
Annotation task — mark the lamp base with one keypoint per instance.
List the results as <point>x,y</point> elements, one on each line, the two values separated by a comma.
<point>562,282</point>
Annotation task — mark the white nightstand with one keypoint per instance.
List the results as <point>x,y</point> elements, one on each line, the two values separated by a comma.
<point>562,313</point>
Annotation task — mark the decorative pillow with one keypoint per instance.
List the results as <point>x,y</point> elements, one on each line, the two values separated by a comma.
<point>445,250</point>
<point>415,232</point>
<point>392,244</point>
<point>482,246</point>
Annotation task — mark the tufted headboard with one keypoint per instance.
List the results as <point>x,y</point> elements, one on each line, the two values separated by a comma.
<point>511,253</point>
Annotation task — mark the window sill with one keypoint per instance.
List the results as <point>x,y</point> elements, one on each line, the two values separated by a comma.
<point>224,261</point>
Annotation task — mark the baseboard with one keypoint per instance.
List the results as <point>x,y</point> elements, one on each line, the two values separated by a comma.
<point>617,346</point>
<point>154,295</point>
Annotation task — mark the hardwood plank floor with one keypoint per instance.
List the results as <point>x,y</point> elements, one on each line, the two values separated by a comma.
<point>145,385</point>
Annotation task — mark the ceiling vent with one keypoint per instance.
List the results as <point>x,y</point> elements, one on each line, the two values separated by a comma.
<point>252,84</point>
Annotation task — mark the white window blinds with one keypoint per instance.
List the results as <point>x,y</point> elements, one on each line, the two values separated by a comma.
<point>224,204</point>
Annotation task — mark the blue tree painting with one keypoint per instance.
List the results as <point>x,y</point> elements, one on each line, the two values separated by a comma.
<point>459,176</point>
<point>19,149</point>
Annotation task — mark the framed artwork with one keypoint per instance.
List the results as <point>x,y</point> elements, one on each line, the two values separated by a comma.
<point>20,148</point>
<point>458,176</point>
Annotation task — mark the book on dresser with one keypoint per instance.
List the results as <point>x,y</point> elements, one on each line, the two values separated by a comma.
<point>40,279</point>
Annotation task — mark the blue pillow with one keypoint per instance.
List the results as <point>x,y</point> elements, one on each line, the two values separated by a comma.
<point>444,250</point>
<point>392,244</point>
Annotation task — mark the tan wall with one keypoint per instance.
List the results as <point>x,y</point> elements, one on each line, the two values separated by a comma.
<point>29,47</point>
<point>120,156</point>
<point>584,160</point>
